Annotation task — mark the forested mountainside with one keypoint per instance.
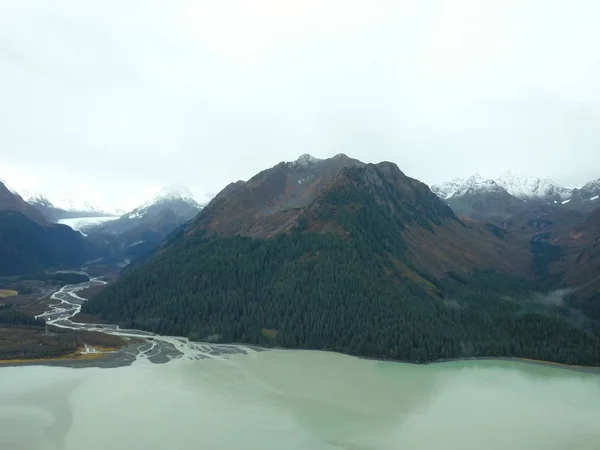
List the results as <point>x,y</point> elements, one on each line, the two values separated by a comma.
<point>355,258</point>
<point>27,247</point>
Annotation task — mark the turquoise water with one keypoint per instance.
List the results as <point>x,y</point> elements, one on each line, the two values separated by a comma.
<point>300,400</point>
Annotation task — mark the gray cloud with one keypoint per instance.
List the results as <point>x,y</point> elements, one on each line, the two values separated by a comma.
<point>111,100</point>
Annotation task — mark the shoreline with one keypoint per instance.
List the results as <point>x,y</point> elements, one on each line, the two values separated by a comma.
<point>108,359</point>
<point>121,357</point>
<point>537,362</point>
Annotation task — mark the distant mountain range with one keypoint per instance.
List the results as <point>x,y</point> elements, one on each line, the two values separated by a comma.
<point>499,199</point>
<point>32,241</point>
<point>521,187</point>
<point>336,254</point>
<point>64,208</point>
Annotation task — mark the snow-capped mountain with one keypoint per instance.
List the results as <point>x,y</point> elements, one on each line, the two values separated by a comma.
<point>525,187</point>
<point>476,184</point>
<point>37,200</point>
<point>166,210</point>
<point>521,187</point>
<point>145,227</point>
<point>587,197</point>
<point>171,193</point>
<point>448,188</point>
<point>510,194</point>
<point>458,187</point>
<point>478,198</point>
<point>305,161</point>
<point>59,208</point>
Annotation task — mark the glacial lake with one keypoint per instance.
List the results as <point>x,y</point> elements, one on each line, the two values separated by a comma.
<point>287,400</point>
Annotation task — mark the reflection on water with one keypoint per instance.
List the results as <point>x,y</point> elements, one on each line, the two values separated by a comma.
<point>299,400</point>
<point>35,412</point>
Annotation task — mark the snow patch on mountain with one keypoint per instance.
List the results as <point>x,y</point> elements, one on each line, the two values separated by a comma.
<point>458,187</point>
<point>476,184</point>
<point>447,189</point>
<point>35,199</point>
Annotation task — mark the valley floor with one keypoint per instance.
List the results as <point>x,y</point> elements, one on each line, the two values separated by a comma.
<point>24,341</point>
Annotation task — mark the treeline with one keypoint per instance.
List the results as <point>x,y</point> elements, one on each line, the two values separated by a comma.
<point>11,316</point>
<point>333,292</point>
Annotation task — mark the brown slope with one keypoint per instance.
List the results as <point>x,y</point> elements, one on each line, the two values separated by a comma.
<point>330,195</point>
<point>437,241</point>
<point>538,218</point>
<point>489,206</point>
<point>582,253</point>
<point>270,201</point>
<point>13,202</point>
<point>455,248</point>
<point>581,264</point>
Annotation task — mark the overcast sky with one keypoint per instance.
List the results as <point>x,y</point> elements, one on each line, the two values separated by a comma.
<point>111,100</point>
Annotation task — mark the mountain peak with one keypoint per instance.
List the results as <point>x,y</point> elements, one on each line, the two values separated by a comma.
<point>172,192</point>
<point>477,184</point>
<point>306,160</point>
<point>475,178</point>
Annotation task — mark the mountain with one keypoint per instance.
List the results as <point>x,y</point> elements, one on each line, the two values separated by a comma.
<point>28,243</point>
<point>339,255</point>
<point>447,189</point>
<point>474,185</point>
<point>480,199</point>
<point>533,188</point>
<point>516,199</point>
<point>586,198</point>
<point>521,187</point>
<point>63,208</point>
<point>10,201</point>
<point>146,226</point>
